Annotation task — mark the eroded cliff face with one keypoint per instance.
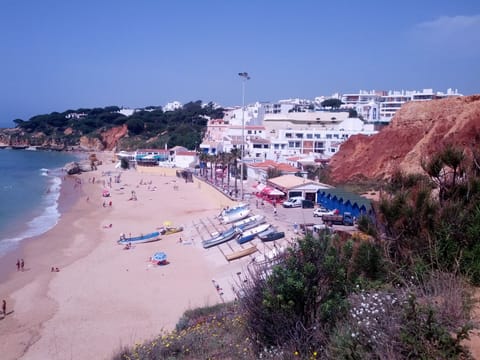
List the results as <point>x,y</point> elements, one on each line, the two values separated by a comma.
<point>418,130</point>
<point>107,140</point>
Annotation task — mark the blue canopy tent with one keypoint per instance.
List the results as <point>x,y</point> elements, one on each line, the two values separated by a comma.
<point>344,201</point>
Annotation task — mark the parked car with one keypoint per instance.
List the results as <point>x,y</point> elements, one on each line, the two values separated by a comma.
<point>320,211</point>
<point>293,202</point>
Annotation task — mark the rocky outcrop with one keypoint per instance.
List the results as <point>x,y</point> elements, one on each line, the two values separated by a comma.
<point>103,140</point>
<point>418,130</point>
<point>111,137</point>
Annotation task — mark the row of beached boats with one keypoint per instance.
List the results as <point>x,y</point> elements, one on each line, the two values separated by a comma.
<point>244,227</point>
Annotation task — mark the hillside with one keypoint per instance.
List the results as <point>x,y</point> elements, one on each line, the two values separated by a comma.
<point>107,128</point>
<point>417,130</point>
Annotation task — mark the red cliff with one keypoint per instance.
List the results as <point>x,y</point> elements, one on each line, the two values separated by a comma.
<point>417,130</point>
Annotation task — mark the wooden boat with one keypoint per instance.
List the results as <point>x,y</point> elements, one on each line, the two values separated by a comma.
<point>224,236</point>
<point>272,236</point>
<point>251,233</point>
<point>150,237</point>
<point>239,214</point>
<point>241,253</point>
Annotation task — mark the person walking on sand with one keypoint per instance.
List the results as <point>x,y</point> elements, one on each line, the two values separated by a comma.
<point>4,308</point>
<point>22,264</point>
<point>18,264</point>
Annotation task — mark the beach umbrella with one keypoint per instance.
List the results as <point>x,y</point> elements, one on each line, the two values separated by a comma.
<point>159,256</point>
<point>167,223</point>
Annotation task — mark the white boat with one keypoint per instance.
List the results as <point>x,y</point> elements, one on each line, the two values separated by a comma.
<point>239,214</point>
<point>248,235</point>
<point>255,219</point>
<point>233,209</point>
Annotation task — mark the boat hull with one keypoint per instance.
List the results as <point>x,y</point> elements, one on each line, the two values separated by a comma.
<point>235,216</point>
<point>272,236</point>
<point>221,238</point>
<point>154,236</point>
<point>251,233</point>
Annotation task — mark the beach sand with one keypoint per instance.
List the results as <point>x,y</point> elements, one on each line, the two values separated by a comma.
<point>105,297</point>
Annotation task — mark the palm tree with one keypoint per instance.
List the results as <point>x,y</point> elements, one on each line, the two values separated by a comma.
<point>203,158</point>
<point>235,153</point>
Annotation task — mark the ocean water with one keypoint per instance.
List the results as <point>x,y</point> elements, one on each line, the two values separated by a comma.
<point>30,183</point>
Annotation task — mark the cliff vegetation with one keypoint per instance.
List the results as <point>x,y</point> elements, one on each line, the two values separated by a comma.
<point>106,128</point>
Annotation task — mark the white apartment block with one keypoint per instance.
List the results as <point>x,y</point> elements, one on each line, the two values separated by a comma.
<point>380,106</point>
<point>282,135</point>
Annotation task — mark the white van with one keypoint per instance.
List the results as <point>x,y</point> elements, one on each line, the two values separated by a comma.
<point>293,202</point>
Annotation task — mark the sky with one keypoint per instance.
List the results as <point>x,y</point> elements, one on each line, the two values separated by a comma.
<point>57,55</point>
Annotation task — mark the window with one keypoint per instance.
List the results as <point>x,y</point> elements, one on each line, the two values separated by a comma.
<point>309,136</point>
<point>318,136</point>
<point>288,135</point>
<point>299,135</point>
<point>276,146</point>
<point>329,136</point>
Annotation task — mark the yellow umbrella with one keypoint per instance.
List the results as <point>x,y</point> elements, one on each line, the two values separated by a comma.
<point>167,223</point>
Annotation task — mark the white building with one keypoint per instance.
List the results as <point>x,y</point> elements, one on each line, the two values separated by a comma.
<point>172,106</point>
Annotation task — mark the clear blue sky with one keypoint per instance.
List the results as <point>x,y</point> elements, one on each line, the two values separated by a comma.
<point>66,54</point>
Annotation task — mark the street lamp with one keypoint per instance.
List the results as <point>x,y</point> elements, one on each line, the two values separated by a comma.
<point>245,77</point>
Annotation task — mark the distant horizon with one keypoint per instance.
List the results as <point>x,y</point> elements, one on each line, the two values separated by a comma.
<point>95,54</point>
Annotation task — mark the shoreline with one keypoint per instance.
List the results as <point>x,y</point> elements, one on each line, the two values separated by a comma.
<point>90,262</point>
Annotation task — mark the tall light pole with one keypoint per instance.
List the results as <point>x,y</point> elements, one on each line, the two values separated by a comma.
<point>245,77</point>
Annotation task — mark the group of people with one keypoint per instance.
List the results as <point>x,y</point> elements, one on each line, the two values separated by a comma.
<point>54,269</point>
<point>20,264</point>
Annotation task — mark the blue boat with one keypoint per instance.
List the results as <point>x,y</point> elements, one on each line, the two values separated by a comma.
<point>224,236</point>
<point>251,233</point>
<point>154,236</point>
<point>275,235</point>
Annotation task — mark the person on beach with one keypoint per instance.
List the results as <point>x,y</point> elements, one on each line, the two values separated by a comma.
<point>274,211</point>
<point>18,264</point>
<point>22,264</point>
<point>4,308</point>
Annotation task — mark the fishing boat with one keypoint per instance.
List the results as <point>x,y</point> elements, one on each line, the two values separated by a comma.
<point>150,237</point>
<point>275,235</point>
<point>172,230</point>
<point>241,253</point>
<point>233,209</point>
<point>251,233</point>
<point>250,222</point>
<point>266,232</point>
<point>224,236</point>
<point>239,214</point>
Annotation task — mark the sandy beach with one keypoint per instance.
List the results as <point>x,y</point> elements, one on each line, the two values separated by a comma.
<point>105,297</point>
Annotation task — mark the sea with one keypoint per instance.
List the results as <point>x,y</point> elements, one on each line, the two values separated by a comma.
<point>30,183</point>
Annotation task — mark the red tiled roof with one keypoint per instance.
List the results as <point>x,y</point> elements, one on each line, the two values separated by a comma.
<point>186,153</point>
<point>272,164</point>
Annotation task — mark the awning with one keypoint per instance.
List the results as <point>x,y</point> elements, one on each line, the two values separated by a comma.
<point>260,187</point>
<point>276,192</point>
